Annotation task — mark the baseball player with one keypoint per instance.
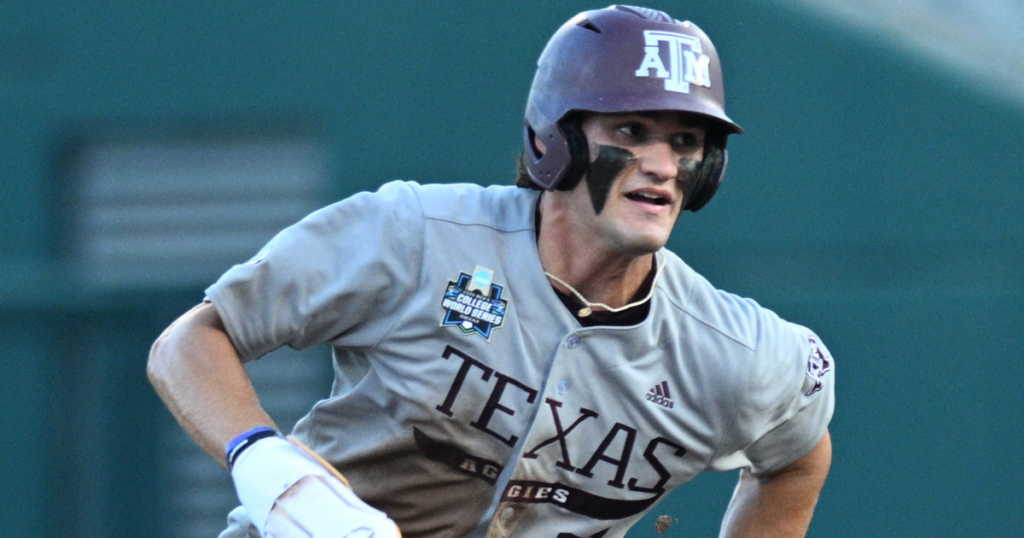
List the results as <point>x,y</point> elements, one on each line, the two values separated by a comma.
<point>524,360</point>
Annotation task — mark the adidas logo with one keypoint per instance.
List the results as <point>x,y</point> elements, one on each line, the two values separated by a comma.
<point>660,395</point>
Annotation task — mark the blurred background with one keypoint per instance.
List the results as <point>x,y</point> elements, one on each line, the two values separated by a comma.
<point>145,147</point>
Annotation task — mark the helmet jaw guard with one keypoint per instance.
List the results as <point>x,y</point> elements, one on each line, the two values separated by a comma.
<point>621,59</point>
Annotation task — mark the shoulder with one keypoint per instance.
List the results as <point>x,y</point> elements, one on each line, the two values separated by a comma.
<point>399,195</point>
<point>391,203</point>
<point>772,375</point>
<point>739,319</point>
<point>462,203</point>
<point>769,350</point>
<point>504,208</point>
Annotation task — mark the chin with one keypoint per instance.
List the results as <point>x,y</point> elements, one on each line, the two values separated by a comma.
<point>636,239</point>
<point>647,244</point>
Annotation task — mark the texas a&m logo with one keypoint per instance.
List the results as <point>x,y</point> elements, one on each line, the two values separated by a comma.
<point>818,364</point>
<point>687,64</point>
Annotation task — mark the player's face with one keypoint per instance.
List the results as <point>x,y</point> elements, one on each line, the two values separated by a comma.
<point>640,162</point>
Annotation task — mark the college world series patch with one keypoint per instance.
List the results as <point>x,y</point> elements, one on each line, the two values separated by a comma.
<point>473,303</point>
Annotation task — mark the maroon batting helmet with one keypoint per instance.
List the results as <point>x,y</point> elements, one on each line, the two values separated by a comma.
<point>625,59</point>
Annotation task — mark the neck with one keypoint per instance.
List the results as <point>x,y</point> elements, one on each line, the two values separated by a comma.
<point>601,275</point>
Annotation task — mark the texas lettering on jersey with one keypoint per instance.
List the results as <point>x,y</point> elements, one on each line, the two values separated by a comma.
<point>610,453</point>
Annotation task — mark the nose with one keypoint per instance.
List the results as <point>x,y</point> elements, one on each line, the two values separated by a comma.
<point>659,161</point>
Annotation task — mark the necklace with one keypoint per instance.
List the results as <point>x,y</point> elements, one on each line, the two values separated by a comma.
<point>589,308</point>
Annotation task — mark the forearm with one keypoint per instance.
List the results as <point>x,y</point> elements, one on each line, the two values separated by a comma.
<point>198,374</point>
<point>780,505</point>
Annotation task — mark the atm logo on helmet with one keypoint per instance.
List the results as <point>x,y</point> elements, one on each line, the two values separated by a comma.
<point>686,63</point>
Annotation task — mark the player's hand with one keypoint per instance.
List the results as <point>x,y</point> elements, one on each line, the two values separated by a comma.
<point>319,506</point>
<point>290,492</point>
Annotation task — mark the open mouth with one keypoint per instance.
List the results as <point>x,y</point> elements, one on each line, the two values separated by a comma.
<point>648,198</point>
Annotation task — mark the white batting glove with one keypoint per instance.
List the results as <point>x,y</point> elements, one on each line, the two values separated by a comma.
<point>290,492</point>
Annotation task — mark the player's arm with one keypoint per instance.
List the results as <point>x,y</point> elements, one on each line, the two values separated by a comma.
<point>198,374</point>
<point>287,489</point>
<point>779,505</point>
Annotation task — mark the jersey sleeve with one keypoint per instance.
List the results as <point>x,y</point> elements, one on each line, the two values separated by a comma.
<point>787,404</point>
<point>338,275</point>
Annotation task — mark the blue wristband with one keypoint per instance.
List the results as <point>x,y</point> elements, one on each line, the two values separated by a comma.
<point>244,440</point>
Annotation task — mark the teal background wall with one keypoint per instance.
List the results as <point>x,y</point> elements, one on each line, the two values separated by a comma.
<point>873,198</point>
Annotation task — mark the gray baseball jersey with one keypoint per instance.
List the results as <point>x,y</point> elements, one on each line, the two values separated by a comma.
<point>470,402</point>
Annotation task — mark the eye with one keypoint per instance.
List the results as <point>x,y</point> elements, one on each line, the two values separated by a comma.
<point>684,140</point>
<point>632,130</point>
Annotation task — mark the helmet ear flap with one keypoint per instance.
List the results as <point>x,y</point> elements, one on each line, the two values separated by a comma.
<point>566,155</point>
<point>712,170</point>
